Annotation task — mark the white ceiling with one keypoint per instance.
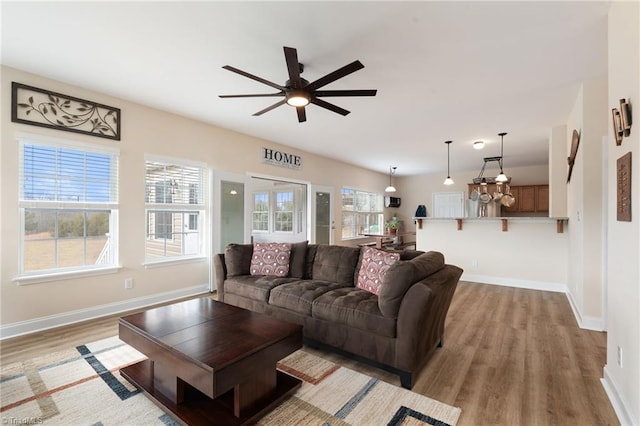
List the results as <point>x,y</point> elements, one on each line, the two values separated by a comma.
<point>462,71</point>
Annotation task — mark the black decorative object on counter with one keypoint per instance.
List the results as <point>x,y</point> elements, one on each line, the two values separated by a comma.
<point>421,211</point>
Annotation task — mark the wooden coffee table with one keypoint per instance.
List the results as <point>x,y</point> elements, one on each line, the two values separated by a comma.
<point>209,362</point>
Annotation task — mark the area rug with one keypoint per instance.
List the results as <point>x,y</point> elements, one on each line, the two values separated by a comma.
<point>83,386</point>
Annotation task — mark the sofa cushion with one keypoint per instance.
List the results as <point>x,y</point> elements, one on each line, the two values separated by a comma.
<point>410,254</point>
<point>297,296</point>
<point>373,266</point>
<point>356,308</point>
<point>237,258</point>
<point>254,287</point>
<point>270,259</point>
<point>312,249</point>
<point>403,275</point>
<point>335,263</point>
<point>298,259</point>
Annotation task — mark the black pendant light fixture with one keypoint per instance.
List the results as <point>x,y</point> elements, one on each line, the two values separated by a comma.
<point>391,188</point>
<point>501,177</point>
<point>448,180</point>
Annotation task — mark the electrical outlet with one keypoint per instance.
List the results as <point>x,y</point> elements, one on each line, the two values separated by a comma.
<point>128,283</point>
<point>619,357</point>
<point>474,263</point>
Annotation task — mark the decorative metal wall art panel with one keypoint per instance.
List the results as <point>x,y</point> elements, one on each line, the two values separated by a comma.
<point>623,207</point>
<point>40,107</point>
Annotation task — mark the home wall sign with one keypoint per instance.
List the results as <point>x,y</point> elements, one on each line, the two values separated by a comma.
<point>40,107</point>
<point>281,159</point>
<point>623,172</point>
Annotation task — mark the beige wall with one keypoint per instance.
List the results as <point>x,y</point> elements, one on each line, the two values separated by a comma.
<point>558,171</point>
<point>585,202</point>
<point>623,267</point>
<point>144,131</point>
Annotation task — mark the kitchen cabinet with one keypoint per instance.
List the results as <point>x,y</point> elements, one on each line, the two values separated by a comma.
<point>542,198</point>
<point>515,191</point>
<point>529,199</point>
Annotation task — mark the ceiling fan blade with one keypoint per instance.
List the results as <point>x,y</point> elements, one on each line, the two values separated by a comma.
<point>329,106</point>
<point>269,108</point>
<point>253,77</point>
<point>291,56</point>
<point>302,115</point>
<point>255,95</point>
<point>335,75</point>
<point>336,93</point>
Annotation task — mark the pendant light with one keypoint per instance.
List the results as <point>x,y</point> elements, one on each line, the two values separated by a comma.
<point>501,177</point>
<point>448,180</point>
<point>391,188</point>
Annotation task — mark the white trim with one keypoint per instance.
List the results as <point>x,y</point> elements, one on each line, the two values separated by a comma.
<point>65,142</point>
<point>66,318</point>
<point>173,160</point>
<point>619,405</point>
<point>171,261</point>
<point>586,322</point>
<point>70,275</point>
<point>277,178</point>
<point>511,282</point>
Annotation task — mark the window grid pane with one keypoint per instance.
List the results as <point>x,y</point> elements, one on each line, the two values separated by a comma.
<point>68,202</point>
<point>260,214</point>
<point>52,173</point>
<point>56,239</point>
<point>284,212</point>
<point>361,213</point>
<point>174,194</point>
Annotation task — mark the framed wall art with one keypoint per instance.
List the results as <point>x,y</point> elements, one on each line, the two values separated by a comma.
<point>40,107</point>
<point>623,189</point>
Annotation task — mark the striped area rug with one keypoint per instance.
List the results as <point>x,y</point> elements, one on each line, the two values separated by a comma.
<point>83,386</point>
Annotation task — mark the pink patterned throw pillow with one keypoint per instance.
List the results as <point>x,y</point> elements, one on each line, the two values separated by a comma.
<point>375,264</point>
<point>270,259</point>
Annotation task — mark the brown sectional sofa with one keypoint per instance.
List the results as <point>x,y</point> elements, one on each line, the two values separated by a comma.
<point>398,330</point>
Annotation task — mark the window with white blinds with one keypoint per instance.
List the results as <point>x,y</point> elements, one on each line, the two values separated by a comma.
<point>175,208</point>
<point>362,213</point>
<point>68,200</point>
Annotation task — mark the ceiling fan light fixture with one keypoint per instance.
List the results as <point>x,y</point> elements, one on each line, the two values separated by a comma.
<point>298,99</point>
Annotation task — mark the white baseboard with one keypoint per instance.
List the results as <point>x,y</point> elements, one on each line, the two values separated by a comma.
<point>586,322</point>
<point>66,318</point>
<point>510,282</point>
<point>619,406</point>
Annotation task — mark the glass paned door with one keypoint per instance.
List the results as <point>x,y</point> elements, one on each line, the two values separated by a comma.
<point>322,215</point>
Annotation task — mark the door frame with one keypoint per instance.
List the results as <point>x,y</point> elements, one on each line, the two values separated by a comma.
<point>284,179</point>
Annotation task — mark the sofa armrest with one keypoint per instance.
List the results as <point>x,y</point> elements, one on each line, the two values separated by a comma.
<point>220,274</point>
<point>423,310</point>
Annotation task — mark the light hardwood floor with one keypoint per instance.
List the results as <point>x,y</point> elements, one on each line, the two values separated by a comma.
<point>510,357</point>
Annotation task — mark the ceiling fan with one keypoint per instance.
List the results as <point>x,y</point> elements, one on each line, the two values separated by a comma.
<point>298,92</point>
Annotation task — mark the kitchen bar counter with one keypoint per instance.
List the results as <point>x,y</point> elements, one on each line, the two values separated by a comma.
<point>504,220</point>
<point>528,252</point>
